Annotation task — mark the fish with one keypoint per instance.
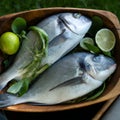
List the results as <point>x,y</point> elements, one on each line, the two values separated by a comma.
<point>65,30</point>
<point>71,28</point>
<point>71,77</point>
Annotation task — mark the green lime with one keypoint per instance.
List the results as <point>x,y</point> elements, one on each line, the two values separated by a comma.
<point>105,39</point>
<point>9,43</point>
<point>86,40</point>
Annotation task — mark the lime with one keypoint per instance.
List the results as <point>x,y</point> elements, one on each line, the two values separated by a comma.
<point>9,43</point>
<point>86,40</point>
<point>105,39</point>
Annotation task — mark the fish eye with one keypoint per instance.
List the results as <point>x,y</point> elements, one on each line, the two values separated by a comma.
<point>76,15</point>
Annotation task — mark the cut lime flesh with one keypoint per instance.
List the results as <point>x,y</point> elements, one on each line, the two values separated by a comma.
<point>105,39</point>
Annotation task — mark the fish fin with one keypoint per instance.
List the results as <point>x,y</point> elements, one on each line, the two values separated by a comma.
<point>71,82</point>
<point>6,100</point>
<point>55,41</point>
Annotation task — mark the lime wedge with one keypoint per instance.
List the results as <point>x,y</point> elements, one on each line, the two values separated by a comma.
<point>87,40</point>
<point>105,39</point>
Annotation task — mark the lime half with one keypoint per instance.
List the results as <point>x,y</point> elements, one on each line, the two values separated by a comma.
<point>105,39</point>
<point>86,40</point>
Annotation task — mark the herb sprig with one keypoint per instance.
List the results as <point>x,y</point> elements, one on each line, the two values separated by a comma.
<point>34,68</point>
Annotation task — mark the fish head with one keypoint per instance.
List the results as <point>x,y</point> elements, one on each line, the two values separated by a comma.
<point>99,67</point>
<point>56,24</point>
<point>50,26</point>
<point>75,22</point>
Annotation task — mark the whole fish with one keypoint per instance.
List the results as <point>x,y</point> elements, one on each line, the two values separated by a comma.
<point>71,77</point>
<point>65,30</point>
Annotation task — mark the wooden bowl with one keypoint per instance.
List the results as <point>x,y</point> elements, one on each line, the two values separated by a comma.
<point>34,16</point>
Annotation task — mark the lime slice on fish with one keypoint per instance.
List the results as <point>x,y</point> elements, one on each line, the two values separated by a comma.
<point>105,39</point>
<point>87,40</point>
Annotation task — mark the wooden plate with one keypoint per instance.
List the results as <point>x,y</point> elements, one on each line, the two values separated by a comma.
<point>110,21</point>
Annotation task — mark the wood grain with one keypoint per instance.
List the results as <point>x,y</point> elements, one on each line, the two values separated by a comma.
<point>110,21</point>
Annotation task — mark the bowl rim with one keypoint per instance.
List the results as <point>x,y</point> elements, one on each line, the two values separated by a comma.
<point>114,92</point>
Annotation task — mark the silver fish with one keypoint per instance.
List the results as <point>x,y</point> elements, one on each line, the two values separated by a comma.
<point>65,30</point>
<point>71,77</point>
<point>71,28</point>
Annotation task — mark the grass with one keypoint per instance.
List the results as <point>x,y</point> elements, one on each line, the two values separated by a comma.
<point>11,6</point>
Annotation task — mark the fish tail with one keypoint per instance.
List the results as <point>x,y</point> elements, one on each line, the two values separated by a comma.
<point>7,100</point>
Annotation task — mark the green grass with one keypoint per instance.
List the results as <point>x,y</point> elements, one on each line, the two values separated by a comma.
<point>11,6</point>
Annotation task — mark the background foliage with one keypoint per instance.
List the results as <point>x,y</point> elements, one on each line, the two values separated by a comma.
<point>11,6</point>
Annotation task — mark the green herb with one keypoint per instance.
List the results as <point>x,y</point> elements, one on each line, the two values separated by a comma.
<point>97,24</point>
<point>109,54</point>
<point>22,85</point>
<point>92,48</point>
<point>18,25</point>
<point>34,68</point>
<point>6,63</point>
<point>96,50</point>
<point>97,92</point>
<point>43,36</point>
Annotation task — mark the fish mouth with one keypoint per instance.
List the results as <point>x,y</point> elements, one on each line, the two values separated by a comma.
<point>66,23</point>
<point>113,67</point>
<point>94,73</point>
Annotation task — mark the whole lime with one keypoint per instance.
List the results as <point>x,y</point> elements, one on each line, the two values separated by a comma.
<point>9,43</point>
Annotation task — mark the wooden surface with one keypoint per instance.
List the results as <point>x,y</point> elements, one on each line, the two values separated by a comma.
<point>86,113</point>
<point>110,21</point>
<point>104,108</point>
